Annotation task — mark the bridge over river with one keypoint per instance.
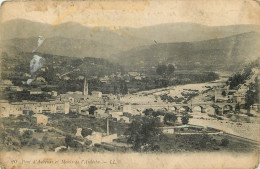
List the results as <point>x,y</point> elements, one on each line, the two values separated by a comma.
<point>202,107</point>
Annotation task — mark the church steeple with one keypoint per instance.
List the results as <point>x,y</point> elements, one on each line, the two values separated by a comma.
<point>85,90</point>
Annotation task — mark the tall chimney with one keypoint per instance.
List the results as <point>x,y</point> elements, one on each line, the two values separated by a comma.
<point>107,125</point>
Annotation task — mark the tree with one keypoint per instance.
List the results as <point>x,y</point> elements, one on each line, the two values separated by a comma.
<point>107,110</point>
<point>68,141</point>
<point>161,70</point>
<point>144,132</point>
<point>237,107</point>
<point>252,95</point>
<point>148,112</point>
<point>224,142</point>
<point>92,110</point>
<point>170,69</point>
<point>185,119</point>
<point>27,134</point>
<point>123,87</point>
<point>164,70</point>
<point>224,93</point>
<point>125,91</point>
<point>86,131</point>
<point>169,118</point>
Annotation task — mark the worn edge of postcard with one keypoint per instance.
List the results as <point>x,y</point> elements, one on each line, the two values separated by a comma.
<point>31,159</point>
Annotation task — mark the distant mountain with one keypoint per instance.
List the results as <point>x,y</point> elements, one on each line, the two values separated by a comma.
<point>228,51</point>
<point>188,32</point>
<point>76,40</point>
<point>24,29</point>
<point>61,46</point>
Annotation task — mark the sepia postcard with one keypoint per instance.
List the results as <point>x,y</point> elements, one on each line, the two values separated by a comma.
<point>124,84</point>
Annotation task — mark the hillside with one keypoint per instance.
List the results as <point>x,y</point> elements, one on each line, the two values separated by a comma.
<point>210,54</point>
<point>74,39</point>
<point>79,48</point>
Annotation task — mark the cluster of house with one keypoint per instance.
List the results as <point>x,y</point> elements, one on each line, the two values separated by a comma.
<point>127,77</point>
<point>8,84</point>
<point>76,102</point>
<point>224,94</point>
<point>106,104</point>
<point>26,107</point>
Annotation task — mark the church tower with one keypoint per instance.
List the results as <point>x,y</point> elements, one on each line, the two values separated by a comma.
<point>85,90</point>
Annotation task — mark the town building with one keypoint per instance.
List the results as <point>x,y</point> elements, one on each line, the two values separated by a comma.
<point>25,107</point>
<point>39,119</point>
<point>96,94</point>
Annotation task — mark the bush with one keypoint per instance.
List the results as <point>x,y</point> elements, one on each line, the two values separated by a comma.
<point>185,119</point>
<point>27,134</point>
<point>34,142</point>
<point>249,114</point>
<point>229,115</point>
<point>39,130</point>
<point>86,131</point>
<point>219,118</point>
<point>169,118</point>
<point>224,142</point>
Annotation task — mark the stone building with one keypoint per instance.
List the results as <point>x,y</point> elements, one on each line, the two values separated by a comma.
<point>39,119</point>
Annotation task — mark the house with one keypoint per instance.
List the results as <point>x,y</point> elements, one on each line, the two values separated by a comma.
<point>239,98</point>
<point>40,79</point>
<point>76,108</point>
<point>125,119</point>
<point>40,119</point>
<point>16,109</point>
<point>127,109</point>
<point>16,88</point>
<point>104,79</point>
<point>43,69</point>
<point>49,107</point>
<point>54,93</point>
<point>161,118</point>
<point>33,106</point>
<point>27,75</point>
<point>66,78</point>
<point>4,108</point>
<point>168,130</point>
<point>133,74</point>
<point>35,91</point>
<point>96,94</point>
<point>96,138</point>
<point>6,82</point>
<point>102,113</point>
<point>138,77</point>
<point>115,113</point>
<point>80,78</point>
<point>62,107</point>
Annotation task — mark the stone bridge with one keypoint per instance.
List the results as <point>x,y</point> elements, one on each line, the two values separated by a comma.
<point>220,108</point>
<point>216,108</point>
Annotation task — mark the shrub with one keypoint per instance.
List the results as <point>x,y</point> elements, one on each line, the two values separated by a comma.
<point>224,142</point>
<point>219,118</point>
<point>249,114</point>
<point>185,119</point>
<point>169,118</point>
<point>229,115</point>
<point>34,142</point>
<point>39,130</point>
<point>27,134</point>
<point>85,132</point>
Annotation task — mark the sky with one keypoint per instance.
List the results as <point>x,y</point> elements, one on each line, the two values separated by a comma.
<point>140,13</point>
